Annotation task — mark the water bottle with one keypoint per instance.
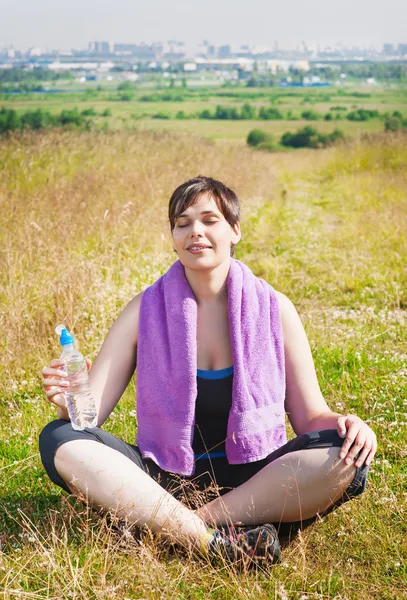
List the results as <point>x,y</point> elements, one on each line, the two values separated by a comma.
<point>79,400</point>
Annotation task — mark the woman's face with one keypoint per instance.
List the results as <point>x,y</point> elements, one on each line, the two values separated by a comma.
<point>202,236</point>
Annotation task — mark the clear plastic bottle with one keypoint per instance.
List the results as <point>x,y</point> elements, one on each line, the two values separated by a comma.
<point>79,400</point>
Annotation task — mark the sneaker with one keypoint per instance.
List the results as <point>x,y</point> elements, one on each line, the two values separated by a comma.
<point>248,545</point>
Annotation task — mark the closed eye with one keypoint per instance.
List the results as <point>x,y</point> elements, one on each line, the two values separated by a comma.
<point>205,222</point>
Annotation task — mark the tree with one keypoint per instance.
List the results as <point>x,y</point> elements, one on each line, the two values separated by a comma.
<point>393,124</point>
<point>270,113</point>
<point>258,137</point>
<point>247,112</point>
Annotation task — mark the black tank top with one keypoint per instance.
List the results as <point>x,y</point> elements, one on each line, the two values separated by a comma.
<point>213,402</point>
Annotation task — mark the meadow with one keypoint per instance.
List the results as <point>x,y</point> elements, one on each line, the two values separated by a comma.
<point>83,228</point>
<point>140,107</point>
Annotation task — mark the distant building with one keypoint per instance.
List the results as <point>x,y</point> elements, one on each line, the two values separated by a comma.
<point>174,51</point>
<point>142,51</point>
<point>402,49</point>
<point>224,52</point>
<point>34,52</point>
<point>174,56</point>
<point>100,47</point>
<point>9,52</point>
<point>66,66</point>
<point>389,50</point>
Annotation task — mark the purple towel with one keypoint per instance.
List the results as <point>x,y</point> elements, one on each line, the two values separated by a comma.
<point>167,370</point>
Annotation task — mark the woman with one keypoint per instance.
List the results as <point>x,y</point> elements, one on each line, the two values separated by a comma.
<point>221,357</point>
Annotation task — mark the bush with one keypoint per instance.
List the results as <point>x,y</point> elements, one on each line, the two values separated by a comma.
<point>268,145</point>
<point>226,113</point>
<point>89,112</point>
<point>308,137</point>
<point>328,117</point>
<point>180,115</point>
<point>126,97</point>
<point>336,136</point>
<point>362,114</point>
<point>70,117</point>
<point>256,137</point>
<point>125,86</point>
<point>270,114</point>
<point>310,115</point>
<point>36,119</point>
<point>107,113</point>
<point>172,98</point>
<point>247,112</point>
<point>393,124</point>
<point>149,98</point>
<point>205,114</point>
<point>9,120</point>
<point>290,116</point>
<point>161,115</point>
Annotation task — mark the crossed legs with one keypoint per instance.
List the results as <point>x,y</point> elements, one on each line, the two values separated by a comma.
<point>294,487</point>
<point>291,488</point>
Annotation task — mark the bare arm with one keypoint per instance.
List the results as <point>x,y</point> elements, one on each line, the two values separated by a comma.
<point>116,362</point>
<point>305,406</point>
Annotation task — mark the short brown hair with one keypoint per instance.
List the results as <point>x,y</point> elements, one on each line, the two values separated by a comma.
<point>189,192</point>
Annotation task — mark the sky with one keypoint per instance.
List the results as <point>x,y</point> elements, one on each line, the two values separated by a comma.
<point>58,24</point>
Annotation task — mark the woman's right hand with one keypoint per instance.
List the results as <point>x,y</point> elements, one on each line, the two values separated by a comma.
<point>55,381</point>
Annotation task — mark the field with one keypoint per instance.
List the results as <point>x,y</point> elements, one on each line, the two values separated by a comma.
<point>83,228</point>
<point>131,109</point>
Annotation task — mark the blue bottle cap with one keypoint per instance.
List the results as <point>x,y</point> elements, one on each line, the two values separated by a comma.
<point>65,337</point>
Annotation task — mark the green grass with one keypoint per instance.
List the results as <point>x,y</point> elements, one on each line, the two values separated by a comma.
<point>135,114</point>
<point>83,229</point>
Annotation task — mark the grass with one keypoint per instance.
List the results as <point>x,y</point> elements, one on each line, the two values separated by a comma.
<point>137,114</point>
<point>83,228</point>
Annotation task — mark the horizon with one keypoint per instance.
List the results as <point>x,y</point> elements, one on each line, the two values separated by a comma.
<point>367,24</point>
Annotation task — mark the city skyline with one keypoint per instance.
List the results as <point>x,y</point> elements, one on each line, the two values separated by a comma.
<point>368,23</point>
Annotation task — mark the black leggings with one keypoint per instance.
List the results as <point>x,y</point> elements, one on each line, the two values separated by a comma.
<point>208,472</point>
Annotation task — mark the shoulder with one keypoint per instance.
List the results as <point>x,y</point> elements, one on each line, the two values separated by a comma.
<point>134,305</point>
<point>290,319</point>
<point>128,319</point>
<point>285,304</point>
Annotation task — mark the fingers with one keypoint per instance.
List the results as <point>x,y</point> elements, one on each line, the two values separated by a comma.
<point>360,444</point>
<point>370,457</point>
<point>363,455</point>
<point>54,381</point>
<point>372,451</point>
<point>341,426</point>
<point>57,362</point>
<point>350,438</point>
<point>55,396</point>
<point>61,382</point>
<point>356,448</point>
<point>48,373</point>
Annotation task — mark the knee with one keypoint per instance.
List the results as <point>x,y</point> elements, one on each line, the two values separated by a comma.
<point>340,474</point>
<point>50,438</point>
<point>50,434</point>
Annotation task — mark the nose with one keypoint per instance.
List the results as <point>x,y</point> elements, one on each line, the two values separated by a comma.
<point>196,227</point>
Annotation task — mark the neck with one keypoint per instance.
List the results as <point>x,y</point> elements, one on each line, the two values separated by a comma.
<point>210,285</point>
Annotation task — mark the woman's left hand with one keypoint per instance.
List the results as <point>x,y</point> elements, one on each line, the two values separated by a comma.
<point>359,438</point>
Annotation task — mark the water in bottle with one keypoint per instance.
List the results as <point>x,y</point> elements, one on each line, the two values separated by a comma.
<point>79,400</point>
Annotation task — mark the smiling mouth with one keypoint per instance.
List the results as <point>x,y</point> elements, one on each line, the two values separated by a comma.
<point>196,249</point>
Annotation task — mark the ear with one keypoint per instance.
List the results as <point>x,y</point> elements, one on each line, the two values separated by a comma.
<point>237,234</point>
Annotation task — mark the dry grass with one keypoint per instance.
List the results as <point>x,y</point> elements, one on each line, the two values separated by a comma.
<point>83,228</point>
